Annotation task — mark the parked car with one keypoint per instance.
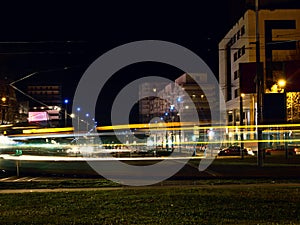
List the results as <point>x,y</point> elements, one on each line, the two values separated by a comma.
<point>232,150</point>
<point>296,150</point>
<point>281,150</point>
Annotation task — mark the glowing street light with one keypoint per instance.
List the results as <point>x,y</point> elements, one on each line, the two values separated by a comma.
<point>281,84</point>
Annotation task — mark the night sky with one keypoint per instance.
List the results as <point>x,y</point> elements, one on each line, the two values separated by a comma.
<point>61,40</point>
<point>94,29</point>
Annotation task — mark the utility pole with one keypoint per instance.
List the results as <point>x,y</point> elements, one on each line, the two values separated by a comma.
<point>242,124</point>
<point>259,91</point>
<point>3,99</point>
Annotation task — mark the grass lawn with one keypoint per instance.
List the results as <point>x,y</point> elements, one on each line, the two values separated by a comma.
<point>155,205</point>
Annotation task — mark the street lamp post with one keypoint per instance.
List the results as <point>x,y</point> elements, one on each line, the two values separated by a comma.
<point>242,95</point>
<point>259,91</point>
<point>87,124</point>
<point>66,111</point>
<point>3,99</point>
<point>87,115</point>
<point>281,84</point>
<point>167,139</point>
<point>78,119</point>
<point>172,107</point>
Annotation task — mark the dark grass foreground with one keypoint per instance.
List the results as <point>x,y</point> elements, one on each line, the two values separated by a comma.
<point>164,205</point>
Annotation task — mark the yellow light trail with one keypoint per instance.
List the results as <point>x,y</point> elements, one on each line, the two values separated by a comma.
<point>166,126</point>
<point>48,130</point>
<point>174,126</point>
<point>191,126</point>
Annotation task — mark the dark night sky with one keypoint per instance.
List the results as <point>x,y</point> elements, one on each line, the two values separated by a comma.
<point>104,26</point>
<point>94,29</point>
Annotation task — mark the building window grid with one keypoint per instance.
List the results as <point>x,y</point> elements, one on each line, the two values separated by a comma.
<point>237,36</point>
<point>239,53</point>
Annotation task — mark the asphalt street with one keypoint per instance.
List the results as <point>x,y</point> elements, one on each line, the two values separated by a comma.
<point>221,168</point>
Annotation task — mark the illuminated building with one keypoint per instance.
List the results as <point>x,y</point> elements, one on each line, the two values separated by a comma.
<point>150,106</point>
<point>176,100</point>
<point>162,97</point>
<point>198,94</point>
<point>49,95</point>
<point>279,53</point>
<point>46,109</point>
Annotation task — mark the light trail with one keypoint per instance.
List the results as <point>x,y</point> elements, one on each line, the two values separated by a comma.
<point>159,127</point>
<point>292,131</point>
<point>190,126</point>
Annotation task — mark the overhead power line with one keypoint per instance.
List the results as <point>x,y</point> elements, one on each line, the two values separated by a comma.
<point>27,95</point>
<point>40,53</point>
<point>41,42</point>
<point>32,74</point>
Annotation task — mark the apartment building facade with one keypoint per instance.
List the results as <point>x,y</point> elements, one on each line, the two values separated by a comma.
<point>184,100</point>
<point>279,35</point>
<point>46,109</point>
